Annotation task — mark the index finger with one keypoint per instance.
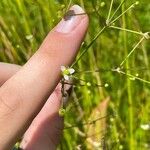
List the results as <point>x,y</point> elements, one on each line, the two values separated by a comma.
<point>26,92</point>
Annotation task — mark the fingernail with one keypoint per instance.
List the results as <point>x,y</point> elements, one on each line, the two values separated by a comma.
<point>70,21</point>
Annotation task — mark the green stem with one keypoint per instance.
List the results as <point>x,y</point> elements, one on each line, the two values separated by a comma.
<point>134,77</point>
<point>122,14</point>
<point>128,30</point>
<point>112,1</point>
<point>91,43</point>
<point>117,9</point>
<point>131,137</point>
<point>126,58</point>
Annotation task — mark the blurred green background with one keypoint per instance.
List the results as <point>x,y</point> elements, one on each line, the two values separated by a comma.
<point>115,115</point>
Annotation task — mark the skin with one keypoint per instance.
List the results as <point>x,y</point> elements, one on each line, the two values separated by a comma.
<point>28,102</point>
<point>46,128</point>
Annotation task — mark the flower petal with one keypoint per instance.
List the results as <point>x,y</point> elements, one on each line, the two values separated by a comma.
<point>66,77</point>
<point>63,68</point>
<point>71,70</point>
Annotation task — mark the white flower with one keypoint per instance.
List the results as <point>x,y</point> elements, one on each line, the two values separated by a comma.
<point>145,126</point>
<point>67,72</point>
<point>71,70</point>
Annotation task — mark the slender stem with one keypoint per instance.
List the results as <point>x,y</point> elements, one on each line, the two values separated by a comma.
<point>128,30</point>
<point>110,69</point>
<point>135,77</point>
<point>93,71</point>
<point>86,49</point>
<point>129,86</point>
<point>132,51</point>
<point>112,1</point>
<point>120,71</point>
<point>99,33</point>
<point>122,13</point>
<point>92,84</point>
<point>62,92</point>
<point>117,9</point>
<point>90,122</point>
<point>70,1</point>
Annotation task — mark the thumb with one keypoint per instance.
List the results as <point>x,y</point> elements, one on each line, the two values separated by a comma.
<point>26,92</point>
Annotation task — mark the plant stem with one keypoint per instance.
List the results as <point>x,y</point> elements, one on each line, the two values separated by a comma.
<point>86,49</point>
<point>131,51</point>
<point>123,12</point>
<point>132,76</point>
<point>112,1</point>
<point>117,9</point>
<point>130,119</point>
<point>123,29</point>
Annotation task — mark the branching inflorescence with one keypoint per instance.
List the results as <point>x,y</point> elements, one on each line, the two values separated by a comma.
<point>69,73</point>
<point>110,24</point>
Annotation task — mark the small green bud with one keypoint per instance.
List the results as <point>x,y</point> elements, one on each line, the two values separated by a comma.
<point>120,147</point>
<point>88,84</point>
<point>136,74</point>
<point>62,6</point>
<point>59,14</point>
<point>111,119</point>
<point>106,85</point>
<point>102,4</point>
<point>89,92</point>
<point>117,140</point>
<point>137,2</point>
<point>29,37</point>
<point>18,46</point>
<point>62,112</point>
<point>132,78</point>
<point>17,145</point>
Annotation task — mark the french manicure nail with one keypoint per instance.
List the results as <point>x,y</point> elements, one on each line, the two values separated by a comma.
<point>70,20</point>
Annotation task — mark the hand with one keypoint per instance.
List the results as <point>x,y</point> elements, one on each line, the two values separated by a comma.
<point>23,97</point>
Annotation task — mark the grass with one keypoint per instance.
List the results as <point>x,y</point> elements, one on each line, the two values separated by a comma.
<point>117,47</point>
